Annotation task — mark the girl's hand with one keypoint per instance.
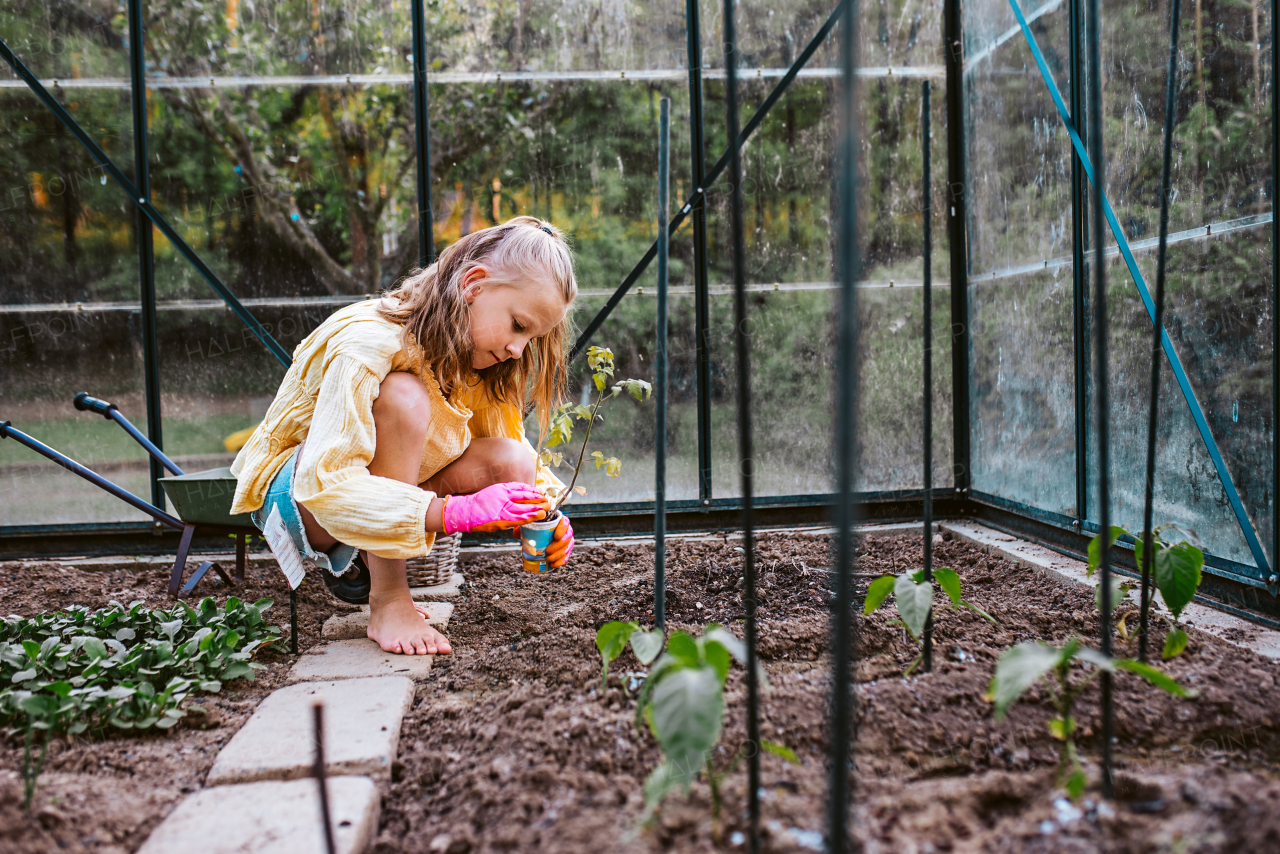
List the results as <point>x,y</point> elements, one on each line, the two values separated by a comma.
<point>561,545</point>
<point>494,508</point>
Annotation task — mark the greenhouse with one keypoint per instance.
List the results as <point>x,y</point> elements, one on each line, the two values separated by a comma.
<point>926,355</point>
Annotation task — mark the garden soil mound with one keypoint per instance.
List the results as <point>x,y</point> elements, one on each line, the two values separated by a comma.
<point>510,746</point>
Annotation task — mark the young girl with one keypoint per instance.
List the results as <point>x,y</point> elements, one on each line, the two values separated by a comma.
<point>402,417</point>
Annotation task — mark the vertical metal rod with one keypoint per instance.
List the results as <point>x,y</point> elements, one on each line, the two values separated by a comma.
<point>701,295</point>
<point>957,227</point>
<point>1275,299</point>
<point>927,199</point>
<point>1079,265</point>
<point>1101,396</point>
<point>843,632</point>
<point>660,377</point>
<point>422,134</point>
<point>746,453</point>
<point>1170,107</point>
<point>318,771</point>
<point>146,244</point>
<point>293,621</point>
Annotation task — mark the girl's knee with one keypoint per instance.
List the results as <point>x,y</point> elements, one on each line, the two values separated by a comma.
<point>402,400</point>
<point>512,461</point>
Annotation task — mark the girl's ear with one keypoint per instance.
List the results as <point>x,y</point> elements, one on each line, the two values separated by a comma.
<point>471,283</point>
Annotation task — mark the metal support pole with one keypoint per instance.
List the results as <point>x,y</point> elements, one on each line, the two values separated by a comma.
<point>422,134</point>
<point>927,194</point>
<point>1100,381</point>
<point>1157,327</point>
<point>746,453</point>
<point>318,771</point>
<point>844,627</point>
<point>146,248</point>
<point>1274,579</point>
<point>1079,264</point>
<point>660,369</point>
<point>957,198</point>
<point>701,294</point>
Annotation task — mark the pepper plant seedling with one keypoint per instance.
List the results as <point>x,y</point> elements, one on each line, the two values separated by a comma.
<point>1176,572</point>
<point>612,638</point>
<point>914,597</point>
<point>682,701</point>
<point>1030,661</point>
<point>600,360</point>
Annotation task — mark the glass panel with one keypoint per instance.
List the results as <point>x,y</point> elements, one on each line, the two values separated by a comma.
<point>1223,342</point>
<point>69,309</point>
<point>1022,387</point>
<point>74,43</point>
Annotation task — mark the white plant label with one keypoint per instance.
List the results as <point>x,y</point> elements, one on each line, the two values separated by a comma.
<point>282,547</point>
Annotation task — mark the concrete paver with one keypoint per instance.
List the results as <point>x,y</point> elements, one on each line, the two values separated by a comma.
<point>347,626</point>
<point>352,659</point>
<point>448,590</point>
<point>280,817</point>
<point>361,731</point>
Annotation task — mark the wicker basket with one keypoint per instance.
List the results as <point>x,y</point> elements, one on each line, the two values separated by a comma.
<point>438,566</point>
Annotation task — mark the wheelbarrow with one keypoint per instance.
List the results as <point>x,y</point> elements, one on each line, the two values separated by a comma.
<point>201,499</point>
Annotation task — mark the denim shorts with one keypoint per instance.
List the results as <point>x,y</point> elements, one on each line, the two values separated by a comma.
<point>280,494</point>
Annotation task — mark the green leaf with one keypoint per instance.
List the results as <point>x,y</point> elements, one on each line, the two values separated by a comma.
<point>1119,590</point>
<point>1062,728</point>
<point>683,648</point>
<point>779,750</point>
<point>877,592</point>
<point>914,601</point>
<point>1155,676</point>
<point>949,581</point>
<point>719,658</point>
<point>727,639</point>
<point>656,786</point>
<point>1095,548</point>
<point>1076,783</point>
<point>1178,575</point>
<point>1017,670</point>
<point>981,613</point>
<point>612,639</point>
<point>646,645</point>
<point>1174,643</point>
<point>687,709</point>
<point>126,634</point>
<point>24,675</point>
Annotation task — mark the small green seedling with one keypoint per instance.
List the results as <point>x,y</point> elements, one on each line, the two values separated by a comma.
<point>1176,572</point>
<point>914,597</point>
<point>1030,661</point>
<point>613,637</point>
<point>682,702</point>
<point>600,360</point>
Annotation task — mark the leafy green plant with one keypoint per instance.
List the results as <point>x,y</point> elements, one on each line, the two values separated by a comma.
<point>600,360</point>
<point>682,702</point>
<point>1029,662</point>
<point>913,595</point>
<point>612,638</point>
<point>119,667</point>
<point>1176,573</point>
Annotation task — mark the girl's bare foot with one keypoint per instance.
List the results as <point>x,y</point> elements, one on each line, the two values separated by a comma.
<point>397,625</point>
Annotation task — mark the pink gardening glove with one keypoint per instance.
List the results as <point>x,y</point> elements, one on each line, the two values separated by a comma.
<point>494,508</point>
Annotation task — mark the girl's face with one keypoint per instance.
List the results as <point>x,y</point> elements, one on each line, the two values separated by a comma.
<point>505,318</point>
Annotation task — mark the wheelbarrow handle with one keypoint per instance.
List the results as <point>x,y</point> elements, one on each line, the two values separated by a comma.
<point>85,403</point>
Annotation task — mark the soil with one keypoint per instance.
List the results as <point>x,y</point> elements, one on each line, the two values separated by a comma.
<point>510,746</point>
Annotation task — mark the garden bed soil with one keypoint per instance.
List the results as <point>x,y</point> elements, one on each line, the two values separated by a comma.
<point>509,746</point>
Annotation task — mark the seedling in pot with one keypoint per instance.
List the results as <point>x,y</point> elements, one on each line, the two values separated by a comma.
<point>612,638</point>
<point>600,360</point>
<point>1176,572</point>
<point>682,702</point>
<point>913,595</point>
<point>1030,661</point>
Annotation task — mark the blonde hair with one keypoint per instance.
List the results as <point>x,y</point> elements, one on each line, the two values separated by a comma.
<point>432,307</point>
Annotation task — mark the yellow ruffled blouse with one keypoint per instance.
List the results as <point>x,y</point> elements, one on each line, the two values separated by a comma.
<point>326,398</point>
